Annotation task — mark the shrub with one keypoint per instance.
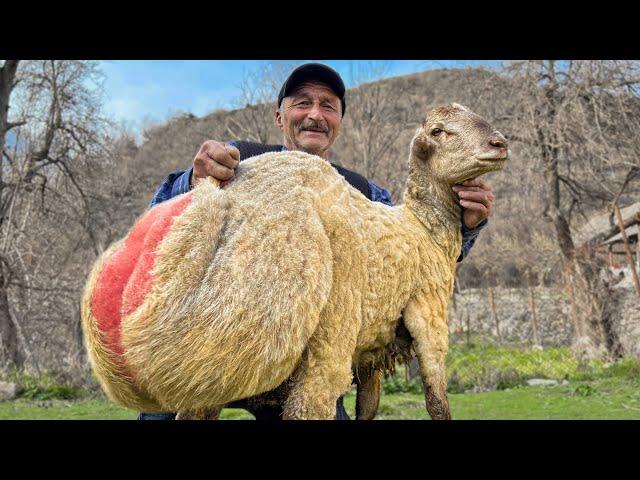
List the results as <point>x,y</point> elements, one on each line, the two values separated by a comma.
<point>482,367</point>
<point>46,386</point>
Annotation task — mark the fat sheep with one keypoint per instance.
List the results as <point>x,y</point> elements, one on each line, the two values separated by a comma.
<point>286,280</point>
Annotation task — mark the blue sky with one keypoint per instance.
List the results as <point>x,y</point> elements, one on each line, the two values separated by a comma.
<point>140,92</point>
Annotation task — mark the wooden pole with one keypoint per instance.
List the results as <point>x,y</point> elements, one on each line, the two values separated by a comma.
<point>494,314</point>
<point>574,312</point>
<point>468,330</point>
<point>625,242</point>
<point>534,321</point>
<point>610,256</point>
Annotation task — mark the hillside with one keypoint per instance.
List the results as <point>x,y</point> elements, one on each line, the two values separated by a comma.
<point>406,99</point>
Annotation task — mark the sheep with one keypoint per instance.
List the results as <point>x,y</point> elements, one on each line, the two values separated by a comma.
<point>286,280</point>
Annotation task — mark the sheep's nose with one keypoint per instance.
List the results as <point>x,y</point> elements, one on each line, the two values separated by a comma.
<point>497,140</point>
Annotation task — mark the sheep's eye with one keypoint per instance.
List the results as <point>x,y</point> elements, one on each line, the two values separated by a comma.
<point>436,131</point>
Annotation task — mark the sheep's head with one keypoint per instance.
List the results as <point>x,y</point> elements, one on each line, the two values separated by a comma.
<point>454,144</point>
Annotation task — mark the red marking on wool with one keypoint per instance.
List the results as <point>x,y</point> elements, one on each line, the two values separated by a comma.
<point>126,278</point>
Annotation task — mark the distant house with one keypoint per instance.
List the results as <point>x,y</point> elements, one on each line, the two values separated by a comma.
<point>603,231</point>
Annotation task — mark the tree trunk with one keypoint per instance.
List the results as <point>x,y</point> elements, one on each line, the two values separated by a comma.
<point>7,76</point>
<point>80,354</point>
<point>598,307</point>
<point>9,345</point>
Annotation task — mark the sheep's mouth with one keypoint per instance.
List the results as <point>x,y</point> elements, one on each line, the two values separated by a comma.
<point>498,162</point>
<point>500,155</point>
<point>483,166</point>
<point>493,160</point>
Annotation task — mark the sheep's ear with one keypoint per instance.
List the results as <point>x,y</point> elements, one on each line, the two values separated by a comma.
<point>461,107</point>
<point>423,147</point>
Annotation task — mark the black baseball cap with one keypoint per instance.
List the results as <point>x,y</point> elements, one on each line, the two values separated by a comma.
<point>314,71</point>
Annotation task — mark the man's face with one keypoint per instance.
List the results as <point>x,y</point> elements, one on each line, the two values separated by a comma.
<point>310,119</point>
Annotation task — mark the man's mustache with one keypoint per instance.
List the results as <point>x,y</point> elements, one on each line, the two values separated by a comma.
<point>312,125</point>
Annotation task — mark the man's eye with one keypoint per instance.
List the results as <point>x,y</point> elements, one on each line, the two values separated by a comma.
<point>328,106</point>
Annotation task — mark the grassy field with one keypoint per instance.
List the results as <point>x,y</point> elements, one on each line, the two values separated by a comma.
<point>497,375</point>
<point>600,399</point>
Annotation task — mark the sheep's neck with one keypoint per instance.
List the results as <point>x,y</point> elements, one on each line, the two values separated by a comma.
<point>435,205</point>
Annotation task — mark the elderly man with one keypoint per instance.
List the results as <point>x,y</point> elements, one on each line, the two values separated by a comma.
<point>310,109</point>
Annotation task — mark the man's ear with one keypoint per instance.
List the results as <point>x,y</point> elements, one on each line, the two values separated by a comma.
<point>278,119</point>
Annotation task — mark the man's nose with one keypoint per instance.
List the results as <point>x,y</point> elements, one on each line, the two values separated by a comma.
<point>315,112</point>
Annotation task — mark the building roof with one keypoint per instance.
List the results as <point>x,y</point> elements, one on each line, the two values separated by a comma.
<point>605,227</point>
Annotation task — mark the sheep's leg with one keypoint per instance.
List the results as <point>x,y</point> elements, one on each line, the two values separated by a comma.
<point>426,320</point>
<point>324,372</point>
<point>368,396</point>
<point>321,377</point>
<point>205,414</point>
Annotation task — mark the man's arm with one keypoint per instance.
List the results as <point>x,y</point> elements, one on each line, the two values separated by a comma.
<point>175,184</point>
<point>216,159</point>
<point>469,236</point>
<point>476,200</point>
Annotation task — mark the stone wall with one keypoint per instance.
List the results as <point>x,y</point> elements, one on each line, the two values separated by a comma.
<point>514,315</point>
<point>554,323</point>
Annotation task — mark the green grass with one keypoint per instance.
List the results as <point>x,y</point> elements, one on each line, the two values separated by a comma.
<point>604,398</point>
<point>594,390</point>
<point>489,367</point>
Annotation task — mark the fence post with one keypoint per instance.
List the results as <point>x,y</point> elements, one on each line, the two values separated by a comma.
<point>468,330</point>
<point>534,321</point>
<point>494,314</point>
<point>574,311</point>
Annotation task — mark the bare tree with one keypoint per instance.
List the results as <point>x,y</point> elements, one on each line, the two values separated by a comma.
<point>253,119</point>
<point>8,331</point>
<point>44,206</point>
<point>578,121</point>
<point>374,123</point>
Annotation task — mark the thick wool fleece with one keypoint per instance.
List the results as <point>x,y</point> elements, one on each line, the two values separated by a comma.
<point>237,289</point>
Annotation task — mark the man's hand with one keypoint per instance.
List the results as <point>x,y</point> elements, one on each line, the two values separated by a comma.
<point>216,159</point>
<point>476,200</point>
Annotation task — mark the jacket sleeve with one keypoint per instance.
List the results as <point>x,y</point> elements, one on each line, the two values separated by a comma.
<point>469,236</point>
<point>175,184</point>
<point>379,194</point>
<point>178,182</point>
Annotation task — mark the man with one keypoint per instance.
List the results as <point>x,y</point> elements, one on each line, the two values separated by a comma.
<point>310,109</point>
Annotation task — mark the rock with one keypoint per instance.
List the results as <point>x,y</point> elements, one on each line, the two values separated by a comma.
<point>9,391</point>
<point>541,381</point>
